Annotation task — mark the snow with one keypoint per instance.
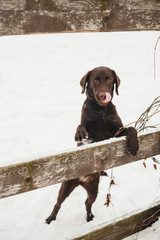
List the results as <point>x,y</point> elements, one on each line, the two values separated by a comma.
<point>40,106</point>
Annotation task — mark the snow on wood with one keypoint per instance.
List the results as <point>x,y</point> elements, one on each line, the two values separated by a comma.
<point>93,158</point>
<point>124,226</point>
<point>30,16</point>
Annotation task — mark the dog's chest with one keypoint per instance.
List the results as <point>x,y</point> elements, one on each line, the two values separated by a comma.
<point>101,129</point>
<point>101,122</point>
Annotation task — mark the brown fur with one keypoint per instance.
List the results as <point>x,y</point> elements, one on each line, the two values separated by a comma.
<point>99,121</point>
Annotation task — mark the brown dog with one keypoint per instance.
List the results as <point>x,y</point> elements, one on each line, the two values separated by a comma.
<point>99,121</point>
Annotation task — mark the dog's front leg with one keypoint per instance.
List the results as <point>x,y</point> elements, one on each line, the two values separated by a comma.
<point>132,139</point>
<point>81,133</point>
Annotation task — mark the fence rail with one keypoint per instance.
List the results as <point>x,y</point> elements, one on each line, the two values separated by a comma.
<point>85,160</point>
<point>32,16</point>
<point>48,16</point>
<point>125,225</point>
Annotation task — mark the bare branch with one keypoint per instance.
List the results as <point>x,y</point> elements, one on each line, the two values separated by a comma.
<point>155,48</point>
<point>154,108</point>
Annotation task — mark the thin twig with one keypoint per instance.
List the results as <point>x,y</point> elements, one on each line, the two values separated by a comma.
<point>108,197</point>
<point>140,124</point>
<point>148,117</point>
<point>155,48</point>
<point>151,216</point>
<point>145,117</point>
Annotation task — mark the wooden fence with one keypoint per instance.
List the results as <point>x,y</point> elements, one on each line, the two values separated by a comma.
<point>41,16</point>
<point>124,226</point>
<point>48,16</point>
<point>84,160</point>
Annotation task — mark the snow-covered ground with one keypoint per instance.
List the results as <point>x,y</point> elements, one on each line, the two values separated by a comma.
<point>40,105</point>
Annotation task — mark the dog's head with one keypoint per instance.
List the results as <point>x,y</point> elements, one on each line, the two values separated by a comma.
<point>99,84</point>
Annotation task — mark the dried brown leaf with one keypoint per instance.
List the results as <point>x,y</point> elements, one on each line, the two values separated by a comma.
<point>155,166</point>
<point>144,164</point>
<point>112,182</point>
<point>108,200</point>
<point>154,159</point>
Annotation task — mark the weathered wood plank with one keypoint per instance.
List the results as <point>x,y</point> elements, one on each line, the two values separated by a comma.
<point>50,170</point>
<point>125,226</point>
<point>40,16</point>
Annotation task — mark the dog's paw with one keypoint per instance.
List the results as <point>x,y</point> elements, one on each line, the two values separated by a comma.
<point>90,217</point>
<point>81,133</point>
<point>50,219</point>
<point>132,141</point>
<point>132,147</point>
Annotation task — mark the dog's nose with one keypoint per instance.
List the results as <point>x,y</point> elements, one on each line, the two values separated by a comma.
<point>102,96</point>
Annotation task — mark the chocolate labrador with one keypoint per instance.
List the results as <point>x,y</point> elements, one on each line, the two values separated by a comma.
<point>99,121</point>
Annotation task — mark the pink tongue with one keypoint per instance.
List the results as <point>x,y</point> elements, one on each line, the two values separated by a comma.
<point>108,98</point>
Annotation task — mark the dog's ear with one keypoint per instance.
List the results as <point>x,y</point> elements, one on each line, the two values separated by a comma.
<point>84,81</point>
<point>116,81</point>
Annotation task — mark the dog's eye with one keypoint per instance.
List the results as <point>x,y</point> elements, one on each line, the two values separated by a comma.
<point>96,80</point>
<point>107,79</point>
